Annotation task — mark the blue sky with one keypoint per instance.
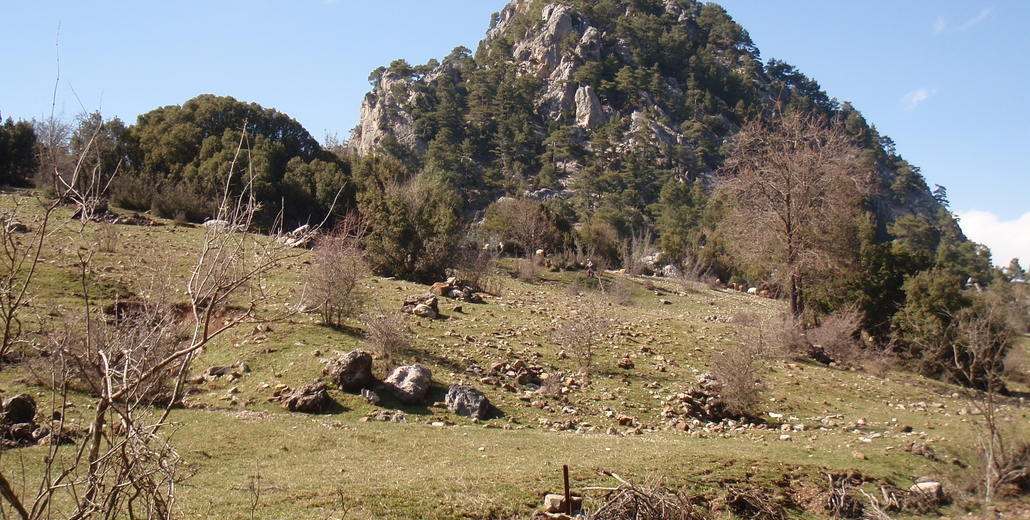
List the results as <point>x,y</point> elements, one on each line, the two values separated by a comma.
<point>946,79</point>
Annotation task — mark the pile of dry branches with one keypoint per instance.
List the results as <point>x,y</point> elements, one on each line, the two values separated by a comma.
<point>650,501</point>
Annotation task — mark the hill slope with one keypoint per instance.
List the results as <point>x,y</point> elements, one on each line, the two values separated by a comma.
<point>633,413</point>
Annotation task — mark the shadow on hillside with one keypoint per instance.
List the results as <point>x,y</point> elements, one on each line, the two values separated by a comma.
<point>350,330</point>
<point>335,408</point>
<point>1016,396</point>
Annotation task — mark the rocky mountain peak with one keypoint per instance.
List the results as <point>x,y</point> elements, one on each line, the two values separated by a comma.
<point>558,87</point>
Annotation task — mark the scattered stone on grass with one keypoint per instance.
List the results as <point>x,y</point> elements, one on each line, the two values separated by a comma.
<point>370,396</point>
<point>555,503</point>
<point>385,416</point>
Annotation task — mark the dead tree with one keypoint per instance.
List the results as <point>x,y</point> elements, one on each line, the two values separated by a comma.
<point>791,189</point>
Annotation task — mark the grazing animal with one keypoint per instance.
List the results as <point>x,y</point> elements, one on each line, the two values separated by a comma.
<point>752,290</point>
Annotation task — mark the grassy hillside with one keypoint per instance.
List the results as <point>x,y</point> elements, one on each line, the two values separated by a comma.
<point>250,458</point>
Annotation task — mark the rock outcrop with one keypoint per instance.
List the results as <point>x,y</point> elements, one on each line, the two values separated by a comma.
<point>558,42</point>
<point>541,52</point>
<point>589,112</point>
<point>383,115</point>
<point>674,87</point>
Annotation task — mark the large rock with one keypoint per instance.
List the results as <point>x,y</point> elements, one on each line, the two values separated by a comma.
<point>424,311</point>
<point>351,371</point>
<point>467,401</point>
<point>312,398</point>
<point>589,112</point>
<point>21,432</point>
<point>19,409</point>
<point>441,288</point>
<point>410,383</point>
<point>928,488</point>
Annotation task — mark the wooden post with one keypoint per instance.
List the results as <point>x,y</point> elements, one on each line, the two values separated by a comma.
<point>568,496</point>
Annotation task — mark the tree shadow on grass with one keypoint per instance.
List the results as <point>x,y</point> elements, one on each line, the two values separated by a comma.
<point>350,330</point>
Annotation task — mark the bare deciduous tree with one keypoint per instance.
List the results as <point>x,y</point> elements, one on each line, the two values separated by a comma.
<point>130,359</point>
<point>386,332</point>
<point>978,355</point>
<point>791,191</point>
<point>20,253</point>
<point>523,221</point>
<point>581,330</point>
<point>333,282</point>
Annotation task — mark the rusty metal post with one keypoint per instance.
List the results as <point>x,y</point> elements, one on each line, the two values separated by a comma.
<point>568,496</point>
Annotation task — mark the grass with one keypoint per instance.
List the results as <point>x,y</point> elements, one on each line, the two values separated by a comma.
<point>231,433</point>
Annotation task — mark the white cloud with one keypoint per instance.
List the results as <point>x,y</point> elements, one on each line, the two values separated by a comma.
<point>1007,240</point>
<point>940,25</point>
<point>914,98</point>
<point>979,18</point>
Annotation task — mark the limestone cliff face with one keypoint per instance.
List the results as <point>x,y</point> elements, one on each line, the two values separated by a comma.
<point>544,51</point>
<point>382,115</point>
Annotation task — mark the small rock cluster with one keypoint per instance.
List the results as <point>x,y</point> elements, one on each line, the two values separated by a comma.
<point>422,305</point>
<point>385,416</point>
<point>699,403</point>
<point>231,373</point>
<point>409,384</point>
<point>508,374</point>
<point>920,450</point>
<point>456,290</point>
<point>18,426</point>
<point>352,372</point>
